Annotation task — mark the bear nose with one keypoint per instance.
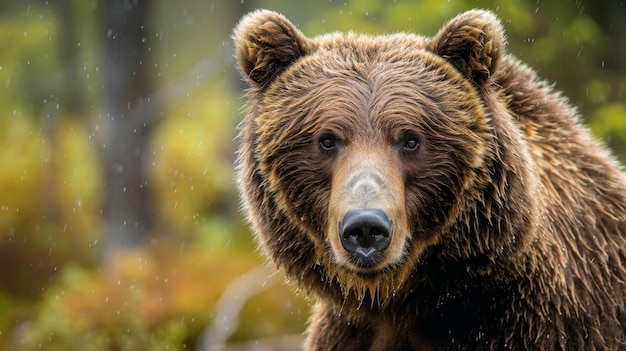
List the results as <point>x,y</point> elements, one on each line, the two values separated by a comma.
<point>364,233</point>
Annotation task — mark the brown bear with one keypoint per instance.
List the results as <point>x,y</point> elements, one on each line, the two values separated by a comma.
<point>431,193</point>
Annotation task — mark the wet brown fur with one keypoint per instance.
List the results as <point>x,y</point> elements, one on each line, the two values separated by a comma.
<point>509,220</point>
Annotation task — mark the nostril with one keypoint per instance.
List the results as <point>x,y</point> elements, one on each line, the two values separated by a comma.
<point>365,235</point>
<point>365,232</point>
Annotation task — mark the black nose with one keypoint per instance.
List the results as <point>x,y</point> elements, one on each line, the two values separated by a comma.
<point>365,234</point>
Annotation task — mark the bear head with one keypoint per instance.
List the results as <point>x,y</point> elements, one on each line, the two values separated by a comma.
<point>363,157</point>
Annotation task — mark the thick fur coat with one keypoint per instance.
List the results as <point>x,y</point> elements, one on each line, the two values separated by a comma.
<point>431,193</point>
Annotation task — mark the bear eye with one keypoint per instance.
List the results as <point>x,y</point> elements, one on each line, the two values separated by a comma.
<point>411,144</point>
<point>328,142</point>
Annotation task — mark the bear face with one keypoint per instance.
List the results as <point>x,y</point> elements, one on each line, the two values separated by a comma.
<point>371,147</point>
<point>431,192</point>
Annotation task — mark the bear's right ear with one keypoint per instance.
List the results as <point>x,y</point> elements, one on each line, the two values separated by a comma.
<point>266,43</point>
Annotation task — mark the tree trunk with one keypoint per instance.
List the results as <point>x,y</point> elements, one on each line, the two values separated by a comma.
<point>127,210</point>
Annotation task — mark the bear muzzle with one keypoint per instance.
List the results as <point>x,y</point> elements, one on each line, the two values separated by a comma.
<point>365,234</point>
<point>367,222</point>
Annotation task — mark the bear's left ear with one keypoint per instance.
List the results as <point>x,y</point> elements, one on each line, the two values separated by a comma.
<point>473,42</point>
<point>266,43</point>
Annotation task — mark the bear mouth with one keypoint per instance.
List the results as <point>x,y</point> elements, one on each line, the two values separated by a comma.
<point>367,259</point>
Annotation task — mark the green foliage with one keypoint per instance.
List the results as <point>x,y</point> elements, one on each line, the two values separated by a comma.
<point>156,298</point>
<point>192,163</point>
<point>610,120</point>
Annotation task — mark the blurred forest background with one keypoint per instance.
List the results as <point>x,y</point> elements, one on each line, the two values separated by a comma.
<point>119,220</point>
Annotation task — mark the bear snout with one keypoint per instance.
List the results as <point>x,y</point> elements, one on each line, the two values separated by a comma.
<point>365,234</point>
